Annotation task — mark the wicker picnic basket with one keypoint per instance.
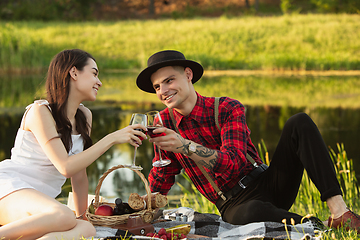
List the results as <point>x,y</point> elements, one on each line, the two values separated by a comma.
<point>147,214</point>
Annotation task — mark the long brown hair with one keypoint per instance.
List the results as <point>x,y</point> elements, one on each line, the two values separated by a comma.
<point>58,88</point>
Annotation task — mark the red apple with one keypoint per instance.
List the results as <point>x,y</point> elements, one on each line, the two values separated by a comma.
<point>104,210</point>
<point>162,231</point>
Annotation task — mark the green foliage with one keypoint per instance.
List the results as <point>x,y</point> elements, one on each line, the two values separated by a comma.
<point>320,6</point>
<point>346,176</point>
<point>285,6</point>
<point>263,153</point>
<point>308,200</point>
<point>81,10</point>
<point>194,199</point>
<point>46,10</point>
<point>335,6</point>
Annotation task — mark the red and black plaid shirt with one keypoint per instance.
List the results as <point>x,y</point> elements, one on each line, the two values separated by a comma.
<point>199,126</point>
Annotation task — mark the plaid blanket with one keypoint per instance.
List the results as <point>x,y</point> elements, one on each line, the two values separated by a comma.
<point>214,228</point>
<point>211,226</point>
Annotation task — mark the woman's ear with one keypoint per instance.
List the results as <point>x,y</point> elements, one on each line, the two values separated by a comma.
<point>73,72</point>
<point>189,74</point>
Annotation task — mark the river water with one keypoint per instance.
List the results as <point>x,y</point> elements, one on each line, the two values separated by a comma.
<point>336,124</point>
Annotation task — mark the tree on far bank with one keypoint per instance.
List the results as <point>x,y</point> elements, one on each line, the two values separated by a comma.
<point>80,10</point>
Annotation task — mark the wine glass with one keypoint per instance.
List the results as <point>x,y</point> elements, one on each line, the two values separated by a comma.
<point>154,121</point>
<point>137,118</point>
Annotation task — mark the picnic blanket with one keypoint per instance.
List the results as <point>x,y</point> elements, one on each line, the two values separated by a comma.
<point>212,227</point>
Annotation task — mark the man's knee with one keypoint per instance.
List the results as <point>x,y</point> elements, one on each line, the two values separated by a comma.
<point>300,121</point>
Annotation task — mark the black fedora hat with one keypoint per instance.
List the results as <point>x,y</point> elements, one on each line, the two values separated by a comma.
<point>164,59</point>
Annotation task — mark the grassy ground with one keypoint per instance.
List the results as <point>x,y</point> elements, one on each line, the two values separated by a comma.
<point>289,42</point>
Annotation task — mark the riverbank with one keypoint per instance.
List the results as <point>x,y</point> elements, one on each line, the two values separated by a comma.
<point>310,89</point>
<point>215,73</point>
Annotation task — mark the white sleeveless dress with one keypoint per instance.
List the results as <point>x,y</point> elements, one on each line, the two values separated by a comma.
<point>29,167</point>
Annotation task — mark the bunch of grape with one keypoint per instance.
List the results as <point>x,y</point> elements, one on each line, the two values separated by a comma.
<point>167,235</point>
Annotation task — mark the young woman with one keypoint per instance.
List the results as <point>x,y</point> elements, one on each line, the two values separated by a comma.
<point>53,143</point>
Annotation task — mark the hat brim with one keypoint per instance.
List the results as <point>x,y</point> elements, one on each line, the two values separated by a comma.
<point>143,81</point>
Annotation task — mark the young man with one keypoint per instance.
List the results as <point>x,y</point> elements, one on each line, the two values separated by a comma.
<point>220,158</point>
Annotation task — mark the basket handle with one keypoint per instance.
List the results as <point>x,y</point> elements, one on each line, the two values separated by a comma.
<point>97,189</point>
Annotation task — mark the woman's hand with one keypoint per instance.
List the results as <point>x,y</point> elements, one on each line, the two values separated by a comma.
<point>130,134</point>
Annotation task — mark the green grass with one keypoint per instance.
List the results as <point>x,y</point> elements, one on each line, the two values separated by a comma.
<point>308,200</point>
<point>289,42</point>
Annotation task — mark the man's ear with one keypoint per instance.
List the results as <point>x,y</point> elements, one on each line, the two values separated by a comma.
<point>73,72</point>
<point>189,73</point>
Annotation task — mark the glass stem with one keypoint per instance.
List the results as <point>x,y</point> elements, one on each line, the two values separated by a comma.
<point>134,156</point>
<point>159,154</point>
<point>160,159</point>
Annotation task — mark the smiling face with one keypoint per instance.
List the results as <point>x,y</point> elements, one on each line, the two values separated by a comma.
<point>87,81</point>
<point>174,88</point>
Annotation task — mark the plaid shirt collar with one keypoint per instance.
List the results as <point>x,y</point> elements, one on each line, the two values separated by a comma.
<point>196,114</point>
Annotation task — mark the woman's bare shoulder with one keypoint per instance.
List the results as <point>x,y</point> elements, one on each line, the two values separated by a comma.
<point>39,115</point>
<point>39,111</point>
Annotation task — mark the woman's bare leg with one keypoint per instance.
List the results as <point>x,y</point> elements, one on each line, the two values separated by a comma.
<point>30,214</point>
<point>82,229</point>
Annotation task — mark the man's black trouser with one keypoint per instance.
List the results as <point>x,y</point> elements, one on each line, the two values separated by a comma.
<point>269,197</point>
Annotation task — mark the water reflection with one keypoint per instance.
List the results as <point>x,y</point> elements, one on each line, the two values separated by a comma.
<point>337,125</point>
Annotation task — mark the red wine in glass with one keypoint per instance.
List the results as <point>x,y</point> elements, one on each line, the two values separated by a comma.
<point>151,133</point>
<point>154,121</point>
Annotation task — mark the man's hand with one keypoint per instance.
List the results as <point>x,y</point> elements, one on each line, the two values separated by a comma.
<point>171,142</point>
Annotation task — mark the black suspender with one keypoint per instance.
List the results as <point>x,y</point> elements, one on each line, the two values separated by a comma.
<point>216,116</point>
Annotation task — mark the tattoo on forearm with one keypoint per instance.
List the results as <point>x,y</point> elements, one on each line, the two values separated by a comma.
<point>204,152</point>
<point>201,152</point>
<point>213,161</point>
<point>205,164</point>
<point>184,146</point>
<point>209,165</point>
